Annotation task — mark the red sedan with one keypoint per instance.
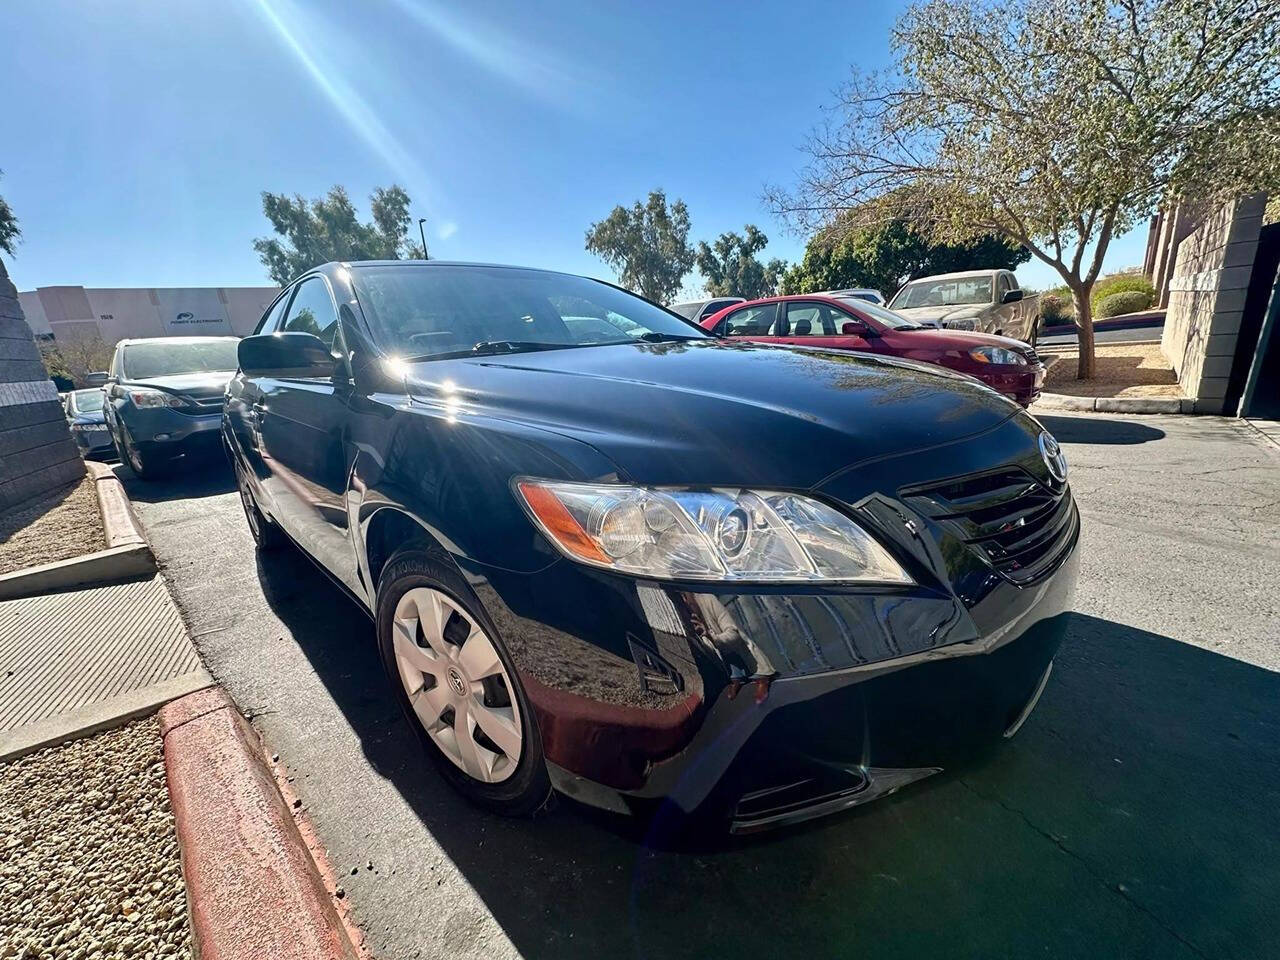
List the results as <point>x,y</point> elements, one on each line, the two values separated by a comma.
<point>813,320</point>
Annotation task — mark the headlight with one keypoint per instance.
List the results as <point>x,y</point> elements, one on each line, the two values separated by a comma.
<point>155,398</point>
<point>996,355</point>
<point>720,534</point>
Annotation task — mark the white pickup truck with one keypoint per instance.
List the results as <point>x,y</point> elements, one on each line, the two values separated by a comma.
<point>988,301</point>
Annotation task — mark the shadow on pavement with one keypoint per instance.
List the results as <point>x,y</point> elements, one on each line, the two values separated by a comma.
<point>1133,816</point>
<point>1092,429</point>
<point>192,478</point>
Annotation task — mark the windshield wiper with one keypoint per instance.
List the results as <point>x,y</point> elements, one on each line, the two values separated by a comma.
<point>654,337</point>
<point>486,348</point>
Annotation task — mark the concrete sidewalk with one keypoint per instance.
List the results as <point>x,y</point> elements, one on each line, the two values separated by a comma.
<point>75,662</point>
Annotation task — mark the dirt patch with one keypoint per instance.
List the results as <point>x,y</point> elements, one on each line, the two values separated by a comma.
<point>1123,370</point>
<point>89,863</point>
<point>63,525</point>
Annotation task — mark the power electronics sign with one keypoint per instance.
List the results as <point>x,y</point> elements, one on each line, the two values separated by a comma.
<point>192,313</point>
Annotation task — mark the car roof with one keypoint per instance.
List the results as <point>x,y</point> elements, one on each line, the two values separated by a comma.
<point>959,274</point>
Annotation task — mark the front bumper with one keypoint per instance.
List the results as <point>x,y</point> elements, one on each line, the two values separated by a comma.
<point>766,704</point>
<point>768,708</point>
<point>92,439</point>
<point>167,432</point>
<point>1022,384</point>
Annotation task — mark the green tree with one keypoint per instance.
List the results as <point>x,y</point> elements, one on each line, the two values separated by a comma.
<point>887,255</point>
<point>327,228</point>
<point>731,268</point>
<point>646,245</point>
<point>1056,123</point>
<point>9,232</point>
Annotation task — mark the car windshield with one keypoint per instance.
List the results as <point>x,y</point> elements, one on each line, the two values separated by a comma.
<point>433,312</point>
<point>143,361</point>
<point>882,315</point>
<point>87,401</point>
<point>960,291</point>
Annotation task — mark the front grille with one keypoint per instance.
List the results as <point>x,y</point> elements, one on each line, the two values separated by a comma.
<point>1021,526</point>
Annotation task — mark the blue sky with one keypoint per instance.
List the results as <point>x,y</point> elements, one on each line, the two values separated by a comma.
<point>139,135</point>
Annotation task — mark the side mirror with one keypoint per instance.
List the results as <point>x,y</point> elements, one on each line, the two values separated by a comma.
<point>1011,296</point>
<point>285,355</point>
<point>97,378</point>
<point>852,328</point>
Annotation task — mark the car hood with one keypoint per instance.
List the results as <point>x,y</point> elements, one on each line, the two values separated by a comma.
<point>203,385</point>
<point>714,412</point>
<point>943,340</point>
<point>939,315</point>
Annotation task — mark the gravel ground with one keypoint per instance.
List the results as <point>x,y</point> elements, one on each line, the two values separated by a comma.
<point>64,525</point>
<point>89,866</point>
<point>1124,370</point>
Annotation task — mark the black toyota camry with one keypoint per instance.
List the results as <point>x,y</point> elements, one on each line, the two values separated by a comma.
<point>610,555</point>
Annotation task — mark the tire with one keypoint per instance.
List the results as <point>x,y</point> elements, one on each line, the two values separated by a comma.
<point>143,466</point>
<point>519,788</point>
<point>267,536</point>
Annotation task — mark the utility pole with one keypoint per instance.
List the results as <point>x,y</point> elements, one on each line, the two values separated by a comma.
<point>423,233</point>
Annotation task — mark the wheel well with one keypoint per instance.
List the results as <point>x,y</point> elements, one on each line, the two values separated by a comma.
<point>389,530</point>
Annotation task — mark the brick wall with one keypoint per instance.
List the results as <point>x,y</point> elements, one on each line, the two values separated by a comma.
<point>37,453</point>
<point>1206,299</point>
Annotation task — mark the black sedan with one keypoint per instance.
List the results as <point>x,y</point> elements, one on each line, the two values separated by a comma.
<point>88,426</point>
<point>654,570</point>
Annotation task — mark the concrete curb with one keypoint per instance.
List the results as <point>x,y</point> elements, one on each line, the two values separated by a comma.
<point>96,717</point>
<point>253,887</point>
<point>114,565</point>
<point>127,557</point>
<point>119,522</point>
<point>1165,405</point>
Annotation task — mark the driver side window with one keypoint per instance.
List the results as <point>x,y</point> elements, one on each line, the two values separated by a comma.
<point>312,312</point>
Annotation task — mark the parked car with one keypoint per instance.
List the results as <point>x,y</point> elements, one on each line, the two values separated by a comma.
<point>88,426</point>
<point>699,310</point>
<point>661,573</point>
<point>986,301</point>
<point>858,293</point>
<point>1007,366</point>
<point>164,398</point>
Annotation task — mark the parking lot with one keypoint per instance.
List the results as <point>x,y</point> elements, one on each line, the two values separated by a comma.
<point>1133,816</point>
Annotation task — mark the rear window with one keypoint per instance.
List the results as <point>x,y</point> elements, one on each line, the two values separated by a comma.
<point>143,361</point>
<point>87,401</point>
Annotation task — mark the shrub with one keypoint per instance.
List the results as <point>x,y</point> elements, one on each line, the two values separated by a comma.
<point>1127,301</point>
<point>1121,283</point>
<point>1054,309</point>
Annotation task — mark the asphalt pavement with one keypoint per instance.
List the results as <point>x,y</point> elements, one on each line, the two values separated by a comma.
<point>1131,335</point>
<point>1133,816</point>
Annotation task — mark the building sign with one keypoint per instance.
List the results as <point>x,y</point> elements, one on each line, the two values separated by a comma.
<point>192,313</point>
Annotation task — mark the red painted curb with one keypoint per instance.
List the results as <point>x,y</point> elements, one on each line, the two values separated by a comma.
<point>253,890</point>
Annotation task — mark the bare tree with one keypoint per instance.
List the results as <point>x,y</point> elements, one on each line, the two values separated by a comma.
<point>82,353</point>
<point>1057,123</point>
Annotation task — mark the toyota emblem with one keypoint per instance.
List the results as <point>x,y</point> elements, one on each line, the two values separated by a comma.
<point>1053,457</point>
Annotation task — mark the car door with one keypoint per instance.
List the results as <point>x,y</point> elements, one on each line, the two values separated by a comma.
<point>1004,316</point>
<point>755,322</point>
<point>810,323</point>
<point>303,423</point>
<point>242,413</point>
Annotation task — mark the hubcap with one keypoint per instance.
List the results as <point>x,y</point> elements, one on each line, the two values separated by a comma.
<point>456,682</point>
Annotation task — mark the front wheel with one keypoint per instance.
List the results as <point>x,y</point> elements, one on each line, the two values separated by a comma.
<point>457,686</point>
<point>144,466</point>
<point>266,535</point>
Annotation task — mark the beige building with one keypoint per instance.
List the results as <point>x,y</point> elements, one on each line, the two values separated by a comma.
<point>115,313</point>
